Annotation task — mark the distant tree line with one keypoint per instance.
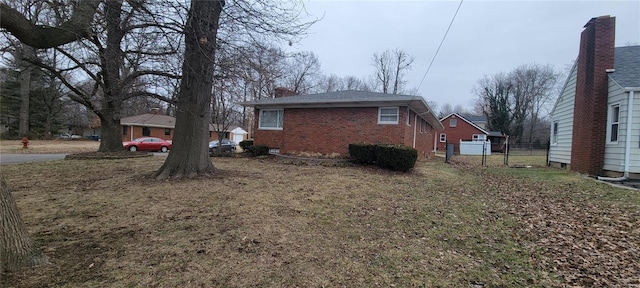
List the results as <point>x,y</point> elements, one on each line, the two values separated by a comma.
<point>517,103</point>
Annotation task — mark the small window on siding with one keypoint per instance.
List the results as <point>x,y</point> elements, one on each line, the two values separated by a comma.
<point>614,120</point>
<point>408,117</point>
<point>124,130</point>
<point>167,131</point>
<point>388,115</point>
<point>554,133</point>
<point>443,137</point>
<point>146,131</point>
<point>271,119</point>
<point>453,122</point>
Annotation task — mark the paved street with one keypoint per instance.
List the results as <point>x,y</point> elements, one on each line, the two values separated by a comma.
<point>25,158</point>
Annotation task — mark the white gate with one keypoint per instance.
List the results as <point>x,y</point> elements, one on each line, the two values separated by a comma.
<point>475,147</point>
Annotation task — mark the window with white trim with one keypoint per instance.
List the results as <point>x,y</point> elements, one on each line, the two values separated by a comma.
<point>388,115</point>
<point>479,137</point>
<point>453,122</point>
<point>554,133</point>
<point>271,119</point>
<point>443,137</point>
<point>614,122</point>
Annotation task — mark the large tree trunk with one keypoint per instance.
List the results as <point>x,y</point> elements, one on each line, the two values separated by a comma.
<point>111,138</point>
<point>189,154</point>
<point>25,88</point>
<point>16,247</point>
<point>112,58</point>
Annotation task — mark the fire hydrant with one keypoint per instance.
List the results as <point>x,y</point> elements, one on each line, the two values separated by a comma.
<point>25,143</point>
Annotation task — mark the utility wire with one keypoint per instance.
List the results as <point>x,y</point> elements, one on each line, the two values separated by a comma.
<point>439,46</point>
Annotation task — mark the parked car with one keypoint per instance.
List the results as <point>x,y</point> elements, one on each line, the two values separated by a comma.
<point>227,146</point>
<point>67,136</point>
<point>147,144</point>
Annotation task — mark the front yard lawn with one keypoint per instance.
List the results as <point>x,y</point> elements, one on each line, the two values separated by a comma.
<point>105,223</point>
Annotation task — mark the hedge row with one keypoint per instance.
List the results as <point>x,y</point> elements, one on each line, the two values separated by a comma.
<point>245,144</point>
<point>254,150</point>
<point>393,157</point>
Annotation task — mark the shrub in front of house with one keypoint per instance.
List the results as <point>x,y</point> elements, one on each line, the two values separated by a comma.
<point>246,145</point>
<point>396,157</point>
<point>258,150</point>
<point>362,153</point>
<point>388,156</point>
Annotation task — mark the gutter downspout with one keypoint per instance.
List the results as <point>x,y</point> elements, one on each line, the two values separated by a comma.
<point>415,124</point>
<point>627,148</point>
<point>435,141</point>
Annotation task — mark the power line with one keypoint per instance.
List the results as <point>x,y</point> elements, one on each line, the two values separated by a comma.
<point>439,46</point>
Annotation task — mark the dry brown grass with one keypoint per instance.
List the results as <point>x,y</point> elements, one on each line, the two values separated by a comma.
<point>259,223</point>
<point>497,160</point>
<point>48,146</point>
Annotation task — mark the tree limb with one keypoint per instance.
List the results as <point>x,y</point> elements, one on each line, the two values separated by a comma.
<point>39,36</point>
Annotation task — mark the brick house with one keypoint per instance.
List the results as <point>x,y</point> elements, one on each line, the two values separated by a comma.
<point>467,128</point>
<point>155,125</point>
<point>327,123</point>
<point>596,120</point>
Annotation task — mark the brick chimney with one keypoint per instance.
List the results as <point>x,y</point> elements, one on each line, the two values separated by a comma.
<point>590,110</point>
<point>283,92</point>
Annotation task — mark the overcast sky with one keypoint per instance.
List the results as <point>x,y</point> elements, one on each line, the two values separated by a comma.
<point>487,37</point>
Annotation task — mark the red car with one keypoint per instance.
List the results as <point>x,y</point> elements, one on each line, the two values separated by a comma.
<point>147,144</point>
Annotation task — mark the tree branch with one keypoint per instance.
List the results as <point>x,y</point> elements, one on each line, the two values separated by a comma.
<point>39,36</point>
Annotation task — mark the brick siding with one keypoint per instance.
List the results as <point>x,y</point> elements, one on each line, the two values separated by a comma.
<point>331,130</point>
<point>590,112</point>
<point>463,131</point>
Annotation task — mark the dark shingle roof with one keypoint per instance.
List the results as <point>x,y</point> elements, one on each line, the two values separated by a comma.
<point>476,118</point>
<point>149,120</point>
<point>627,66</point>
<point>156,120</point>
<point>346,96</point>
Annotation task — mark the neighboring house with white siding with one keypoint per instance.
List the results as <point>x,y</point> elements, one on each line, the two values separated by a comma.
<point>596,120</point>
<point>562,122</point>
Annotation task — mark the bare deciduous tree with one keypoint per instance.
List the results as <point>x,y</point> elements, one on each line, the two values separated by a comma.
<point>189,157</point>
<point>511,100</point>
<point>391,67</point>
<point>302,69</point>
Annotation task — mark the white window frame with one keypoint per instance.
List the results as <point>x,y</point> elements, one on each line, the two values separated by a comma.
<point>443,137</point>
<point>453,122</point>
<point>397,114</point>
<point>279,119</point>
<point>477,138</point>
<point>613,122</point>
<point>554,132</point>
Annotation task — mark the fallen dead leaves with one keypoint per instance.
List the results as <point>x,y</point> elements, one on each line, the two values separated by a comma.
<point>588,233</point>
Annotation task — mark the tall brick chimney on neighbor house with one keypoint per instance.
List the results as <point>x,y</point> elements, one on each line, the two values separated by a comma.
<point>590,110</point>
<point>283,92</point>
